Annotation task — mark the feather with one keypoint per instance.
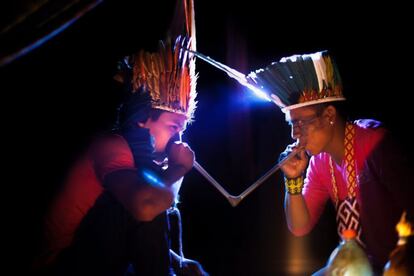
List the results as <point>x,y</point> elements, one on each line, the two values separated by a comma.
<point>168,75</point>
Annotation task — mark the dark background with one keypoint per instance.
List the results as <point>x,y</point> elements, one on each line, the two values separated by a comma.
<point>57,97</point>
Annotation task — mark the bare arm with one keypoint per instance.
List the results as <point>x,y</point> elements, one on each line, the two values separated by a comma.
<point>297,214</point>
<point>296,210</point>
<point>143,201</point>
<point>148,195</point>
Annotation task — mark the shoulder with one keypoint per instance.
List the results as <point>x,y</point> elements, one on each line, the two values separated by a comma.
<point>376,143</point>
<point>368,123</point>
<point>108,146</point>
<point>109,141</point>
<point>369,133</point>
<point>110,153</point>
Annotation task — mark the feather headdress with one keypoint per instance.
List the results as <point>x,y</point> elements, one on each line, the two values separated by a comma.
<point>300,80</point>
<point>168,76</point>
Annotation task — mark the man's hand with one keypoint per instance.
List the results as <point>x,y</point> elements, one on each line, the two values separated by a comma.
<point>180,154</point>
<point>191,268</point>
<point>188,267</point>
<point>294,167</point>
<point>180,161</point>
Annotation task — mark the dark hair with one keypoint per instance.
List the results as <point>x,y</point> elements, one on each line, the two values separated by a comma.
<point>136,109</point>
<point>340,106</point>
<point>135,105</point>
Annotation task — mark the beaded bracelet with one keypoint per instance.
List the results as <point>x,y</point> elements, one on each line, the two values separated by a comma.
<point>294,185</point>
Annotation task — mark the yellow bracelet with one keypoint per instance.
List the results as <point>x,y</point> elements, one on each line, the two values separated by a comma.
<point>294,185</point>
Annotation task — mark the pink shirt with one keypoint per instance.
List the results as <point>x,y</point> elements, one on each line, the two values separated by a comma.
<point>384,189</point>
<point>318,183</point>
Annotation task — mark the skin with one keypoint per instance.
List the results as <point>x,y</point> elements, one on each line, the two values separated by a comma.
<point>315,133</point>
<point>147,201</point>
<point>180,156</point>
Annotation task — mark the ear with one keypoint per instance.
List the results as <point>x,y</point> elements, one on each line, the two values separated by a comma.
<point>330,113</point>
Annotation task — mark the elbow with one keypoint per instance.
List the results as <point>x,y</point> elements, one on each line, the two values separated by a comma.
<point>148,210</point>
<point>144,213</point>
<point>145,216</point>
<point>299,228</point>
<point>299,232</point>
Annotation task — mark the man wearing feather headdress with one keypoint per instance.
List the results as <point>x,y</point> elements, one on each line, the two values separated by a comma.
<point>111,216</point>
<point>356,165</point>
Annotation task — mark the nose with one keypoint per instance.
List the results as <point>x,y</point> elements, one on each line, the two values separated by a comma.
<point>295,132</point>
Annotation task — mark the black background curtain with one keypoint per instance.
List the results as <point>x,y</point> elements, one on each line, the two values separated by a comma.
<point>26,25</point>
<point>56,97</point>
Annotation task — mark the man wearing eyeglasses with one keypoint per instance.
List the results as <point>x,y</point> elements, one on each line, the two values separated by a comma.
<point>356,165</point>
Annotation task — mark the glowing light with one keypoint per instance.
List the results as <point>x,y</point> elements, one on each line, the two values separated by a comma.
<point>240,77</point>
<point>259,93</point>
<point>152,179</point>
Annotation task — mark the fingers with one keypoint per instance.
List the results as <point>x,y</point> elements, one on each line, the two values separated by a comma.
<point>301,154</point>
<point>297,160</point>
<point>181,154</point>
<point>289,149</point>
<point>194,268</point>
<point>178,148</point>
<point>294,160</point>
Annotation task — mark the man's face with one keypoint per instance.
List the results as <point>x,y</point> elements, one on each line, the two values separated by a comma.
<point>308,128</point>
<point>165,127</point>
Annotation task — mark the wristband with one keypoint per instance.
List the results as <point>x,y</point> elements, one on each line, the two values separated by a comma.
<point>294,186</point>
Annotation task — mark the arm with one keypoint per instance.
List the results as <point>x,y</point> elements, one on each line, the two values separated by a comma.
<point>303,207</point>
<point>307,207</point>
<point>154,192</point>
<point>142,200</point>
<point>297,214</point>
<point>142,187</point>
<point>296,211</point>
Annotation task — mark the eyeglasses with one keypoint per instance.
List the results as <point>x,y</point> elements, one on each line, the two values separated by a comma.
<point>303,122</point>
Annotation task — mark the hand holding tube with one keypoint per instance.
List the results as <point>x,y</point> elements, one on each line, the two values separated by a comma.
<point>295,165</point>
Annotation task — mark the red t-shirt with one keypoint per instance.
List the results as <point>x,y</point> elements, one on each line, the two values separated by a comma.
<point>82,187</point>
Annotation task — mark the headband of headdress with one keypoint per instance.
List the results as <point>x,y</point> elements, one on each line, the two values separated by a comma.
<point>293,82</point>
<point>168,76</point>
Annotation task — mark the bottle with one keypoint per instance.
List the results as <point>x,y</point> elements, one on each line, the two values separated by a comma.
<point>401,261</point>
<point>348,258</point>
